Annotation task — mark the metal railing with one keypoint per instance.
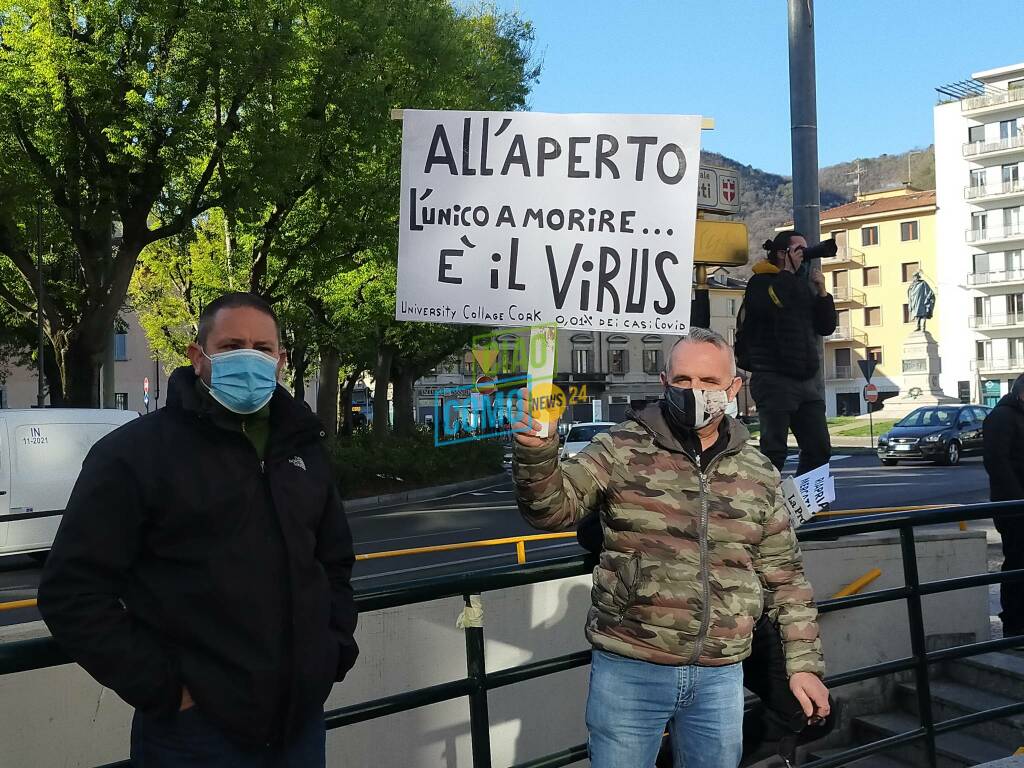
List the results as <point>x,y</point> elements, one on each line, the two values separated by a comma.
<point>846,295</point>
<point>28,655</point>
<point>845,254</point>
<point>988,365</point>
<point>848,333</point>
<point>992,278</point>
<point>1010,320</point>
<point>841,372</point>
<point>994,234</point>
<point>982,192</point>
<point>977,148</point>
<point>992,99</point>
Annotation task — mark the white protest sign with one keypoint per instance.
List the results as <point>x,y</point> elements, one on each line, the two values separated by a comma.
<point>519,218</point>
<point>807,494</point>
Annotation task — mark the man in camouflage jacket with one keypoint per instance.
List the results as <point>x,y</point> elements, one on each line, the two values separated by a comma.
<point>697,544</point>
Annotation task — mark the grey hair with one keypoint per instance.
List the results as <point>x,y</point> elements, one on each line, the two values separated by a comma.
<point>702,336</point>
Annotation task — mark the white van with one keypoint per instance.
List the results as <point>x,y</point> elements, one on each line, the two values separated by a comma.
<point>41,454</point>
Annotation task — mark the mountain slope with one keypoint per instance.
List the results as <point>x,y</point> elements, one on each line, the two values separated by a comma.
<point>766,199</point>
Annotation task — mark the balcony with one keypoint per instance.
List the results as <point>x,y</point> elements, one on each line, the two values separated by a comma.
<point>994,148</point>
<point>995,279</point>
<point>846,333</point>
<point>844,255</point>
<point>993,101</point>
<point>995,234</point>
<point>1013,365</point>
<point>996,322</point>
<point>848,296</point>
<point>1006,189</point>
<point>841,372</point>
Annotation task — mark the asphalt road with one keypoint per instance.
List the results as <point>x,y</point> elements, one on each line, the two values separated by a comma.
<point>490,513</point>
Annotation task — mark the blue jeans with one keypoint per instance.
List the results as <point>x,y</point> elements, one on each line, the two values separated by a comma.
<point>631,702</point>
<point>190,739</point>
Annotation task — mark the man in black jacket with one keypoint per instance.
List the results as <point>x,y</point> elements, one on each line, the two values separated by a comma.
<point>202,568</point>
<point>1003,433</point>
<point>777,341</point>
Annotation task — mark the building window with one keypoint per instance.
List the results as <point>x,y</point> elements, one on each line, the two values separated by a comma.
<point>908,231</point>
<point>869,236</point>
<point>732,307</point>
<point>581,361</point>
<point>906,313</point>
<point>977,178</point>
<point>873,316</point>
<point>121,346</point>
<point>843,363</point>
<point>909,269</point>
<point>871,275</point>
<point>652,361</point>
<point>976,134</point>
<point>875,353</point>
<point>963,391</point>
<point>1007,129</point>
<point>1010,175</point>
<point>121,401</point>
<point>618,361</point>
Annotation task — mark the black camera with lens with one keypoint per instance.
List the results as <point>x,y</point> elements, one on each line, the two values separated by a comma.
<point>826,249</point>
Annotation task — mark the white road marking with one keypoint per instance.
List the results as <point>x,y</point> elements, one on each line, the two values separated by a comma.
<point>436,498</point>
<point>883,485</point>
<point>418,536</point>
<point>463,561</point>
<point>795,457</point>
<point>436,510</point>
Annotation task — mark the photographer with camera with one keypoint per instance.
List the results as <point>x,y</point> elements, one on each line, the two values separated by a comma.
<point>785,309</point>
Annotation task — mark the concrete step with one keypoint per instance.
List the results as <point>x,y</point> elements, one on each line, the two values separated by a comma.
<point>1001,673</point>
<point>875,761</point>
<point>951,700</point>
<point>954,750</point>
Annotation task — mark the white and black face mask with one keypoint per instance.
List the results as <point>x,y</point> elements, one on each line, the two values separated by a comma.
<point>695,408</point>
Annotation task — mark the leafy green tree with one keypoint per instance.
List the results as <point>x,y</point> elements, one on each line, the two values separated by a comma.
<point>124,111</point>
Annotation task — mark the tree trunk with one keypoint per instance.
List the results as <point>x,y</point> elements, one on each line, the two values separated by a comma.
<point>403,378</point>
<point>54,382</point>
<point>299,358</point>
<point>381,376</point>
<point>346,401</point>
<point>327,395</point>
<point>80,371</point>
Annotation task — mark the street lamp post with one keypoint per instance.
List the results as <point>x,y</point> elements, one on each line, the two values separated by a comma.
<point>41,384</point>
<point>803,108</point>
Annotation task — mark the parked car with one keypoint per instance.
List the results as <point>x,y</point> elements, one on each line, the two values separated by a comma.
<point>579,436</point>
<point>936,433</point>
<point>41,454</point>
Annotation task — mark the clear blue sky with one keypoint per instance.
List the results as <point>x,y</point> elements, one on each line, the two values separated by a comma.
<point>878,63</point>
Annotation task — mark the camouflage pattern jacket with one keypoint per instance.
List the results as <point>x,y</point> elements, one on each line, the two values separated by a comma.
<point>692,556</point>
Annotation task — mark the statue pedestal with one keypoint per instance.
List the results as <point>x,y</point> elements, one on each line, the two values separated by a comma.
<point>921,369</point>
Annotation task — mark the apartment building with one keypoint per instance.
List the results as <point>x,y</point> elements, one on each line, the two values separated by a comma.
<point>979,152</point>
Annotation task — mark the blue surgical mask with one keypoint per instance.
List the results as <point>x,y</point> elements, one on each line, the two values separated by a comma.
<point>242,380</point>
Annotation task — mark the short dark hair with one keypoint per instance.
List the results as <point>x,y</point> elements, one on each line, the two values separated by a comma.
<point>232,300</point>
<point>780,243</point>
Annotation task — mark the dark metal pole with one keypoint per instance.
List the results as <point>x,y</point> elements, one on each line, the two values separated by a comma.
<point>156,383</point>
<point>803,109</point>
<point>918,646</point>
<point>479,720</point>
<point>41,387</point>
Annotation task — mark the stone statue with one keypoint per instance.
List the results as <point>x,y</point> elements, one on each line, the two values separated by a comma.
<point>921,299</point>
